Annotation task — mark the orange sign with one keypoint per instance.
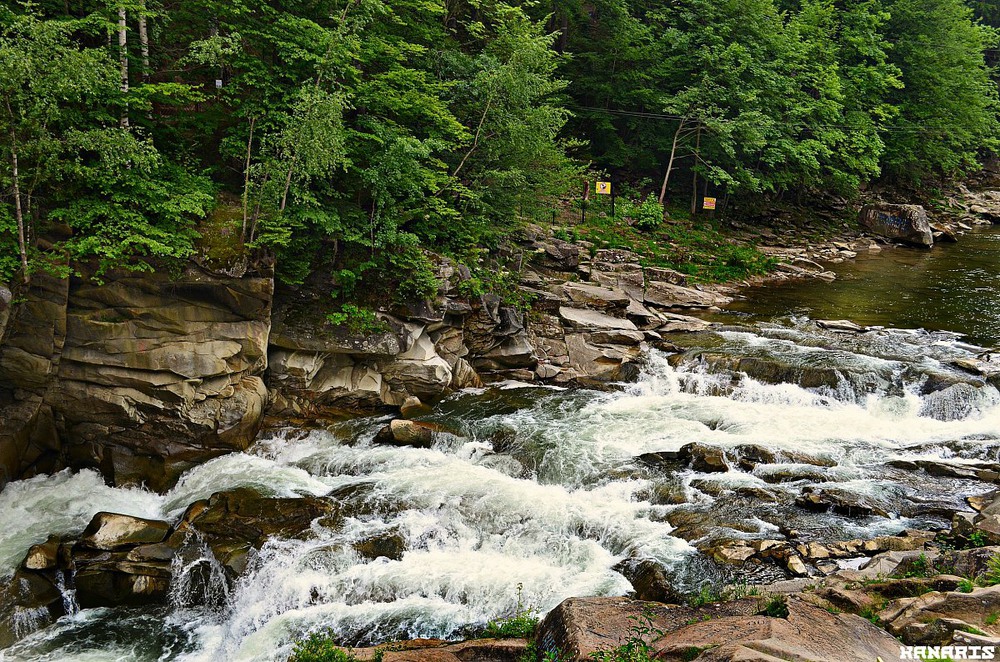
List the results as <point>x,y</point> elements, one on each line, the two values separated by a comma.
<point>603,188</point>
<point>709,203</point>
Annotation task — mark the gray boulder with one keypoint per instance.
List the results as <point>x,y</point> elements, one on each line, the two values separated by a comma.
<point>905,223</point>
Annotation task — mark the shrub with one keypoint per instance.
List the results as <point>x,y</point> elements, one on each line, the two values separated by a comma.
<point>319,647</point>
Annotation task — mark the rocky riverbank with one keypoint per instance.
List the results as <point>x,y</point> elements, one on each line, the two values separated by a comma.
<point>146,375</point>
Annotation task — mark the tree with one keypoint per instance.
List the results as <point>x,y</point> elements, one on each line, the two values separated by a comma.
<point>45,83</point>
<point>948,104</point>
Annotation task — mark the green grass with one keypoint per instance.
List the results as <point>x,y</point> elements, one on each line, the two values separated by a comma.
<point>319,647</point>
<point>992,575</point>
<point>775,607</point>
<point>522,625</point>
<point>695,248</point>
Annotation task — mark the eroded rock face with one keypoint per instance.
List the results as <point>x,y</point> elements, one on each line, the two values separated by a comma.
<point>905,223</point>
<point>141,377</point>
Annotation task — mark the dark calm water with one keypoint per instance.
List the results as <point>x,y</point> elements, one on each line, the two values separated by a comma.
<point>952,287</point>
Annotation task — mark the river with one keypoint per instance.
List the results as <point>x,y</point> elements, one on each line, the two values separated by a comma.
<point>544,488</point>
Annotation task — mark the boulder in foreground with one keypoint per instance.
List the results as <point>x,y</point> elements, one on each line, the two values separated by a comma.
<point>905,223</point>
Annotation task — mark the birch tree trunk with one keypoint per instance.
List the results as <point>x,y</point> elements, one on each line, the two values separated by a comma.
<point>144,43</point>
<point>670,163</point>
<point>123,59</point>
<point>22,244</point>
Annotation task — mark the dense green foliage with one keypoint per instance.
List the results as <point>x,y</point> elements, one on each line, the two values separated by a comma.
<point>350,134</point>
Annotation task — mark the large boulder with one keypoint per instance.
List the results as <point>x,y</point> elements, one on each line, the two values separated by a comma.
<point>670,295</point>
<point>748,629</point>
<point>904,223</point>
<point>111,531</point>
<point>806,633</point>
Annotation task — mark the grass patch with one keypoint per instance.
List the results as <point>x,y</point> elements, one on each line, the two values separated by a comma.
<point>522,625</point>
<point>319,647</point>
<point>775,607</point>
<point>220,234</point>
<point>693,247</point>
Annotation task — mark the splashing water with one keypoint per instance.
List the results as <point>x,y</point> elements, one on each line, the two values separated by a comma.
<point>538,487</point>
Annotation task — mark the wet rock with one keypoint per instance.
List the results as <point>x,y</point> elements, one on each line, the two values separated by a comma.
<point>772,370</point>
<point>44,556</point>
<point>402,432</point>
<point>943,233</point>
<point>28,601</point>
<point>390,545</point>
<point>839,501</point>
<point>650,580</point>
<point>840,325</point>
<point>233,522</point>
<point>112,531</point>
<point>905,223</point>
<point>703,458</point>
<point>412,407</point>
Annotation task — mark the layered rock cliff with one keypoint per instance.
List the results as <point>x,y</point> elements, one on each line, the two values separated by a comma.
<point>147,374</point>
<point>140,377</point>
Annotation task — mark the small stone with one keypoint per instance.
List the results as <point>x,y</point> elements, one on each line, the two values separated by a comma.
<point>796,566</point>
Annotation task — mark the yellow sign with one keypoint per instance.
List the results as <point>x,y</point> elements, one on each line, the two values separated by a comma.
<point>603,188</point>
<point>709,203</point>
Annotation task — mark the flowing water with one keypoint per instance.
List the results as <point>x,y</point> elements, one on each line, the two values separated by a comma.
<point>550,489</point>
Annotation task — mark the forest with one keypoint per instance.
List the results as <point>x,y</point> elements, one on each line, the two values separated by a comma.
<point>355,135</point>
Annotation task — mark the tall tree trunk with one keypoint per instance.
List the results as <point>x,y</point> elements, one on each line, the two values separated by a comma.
<point>670,163</point>
<point>475,141</point>
<point>694,173</point>
<point>246,180</point>
<point>144,43</point>
<point>123,59</point>
<point>22,244</point>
